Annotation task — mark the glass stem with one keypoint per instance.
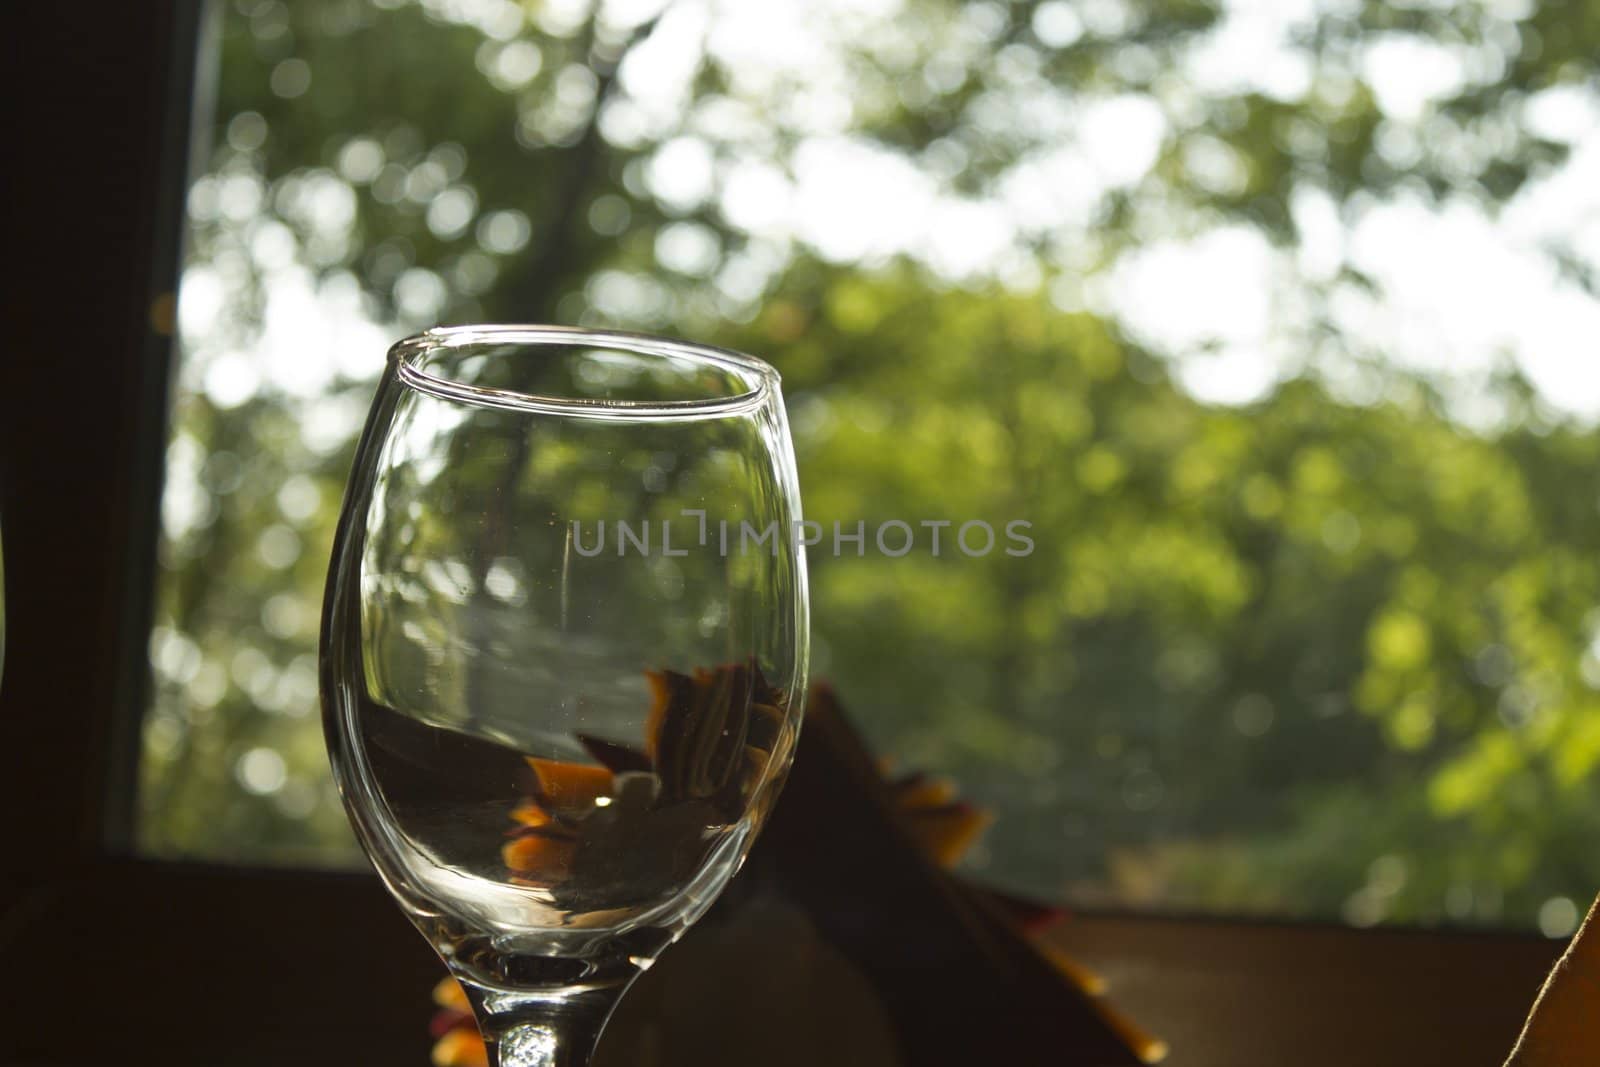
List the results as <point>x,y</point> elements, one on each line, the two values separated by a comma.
<point>545,1027</point>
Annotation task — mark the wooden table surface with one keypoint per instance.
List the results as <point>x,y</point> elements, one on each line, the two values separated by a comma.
<point>140,962</point>
<point>1255,994</point>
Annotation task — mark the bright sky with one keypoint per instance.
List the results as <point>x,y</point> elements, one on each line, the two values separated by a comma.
<point>1460,291</point>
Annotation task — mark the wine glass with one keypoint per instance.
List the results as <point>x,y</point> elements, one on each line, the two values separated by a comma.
<point>563,655</point>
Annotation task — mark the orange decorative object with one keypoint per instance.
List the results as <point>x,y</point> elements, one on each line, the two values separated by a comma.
<point>913,792</point>
<point>449,995</point>
<point>545,852</point>
<point>461,1048</point>
<point>947,832</point>
<point>458,1043</point>
<point>914,826</point>
<point>567,786</point>
<point>531,815</point>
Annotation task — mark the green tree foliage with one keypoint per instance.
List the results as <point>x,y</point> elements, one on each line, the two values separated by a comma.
<point>1304,656</point>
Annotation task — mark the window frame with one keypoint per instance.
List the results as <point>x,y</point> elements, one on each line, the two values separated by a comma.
<point>194,961</point>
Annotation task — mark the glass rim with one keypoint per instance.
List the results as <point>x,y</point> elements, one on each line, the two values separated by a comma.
<point>759,376</point>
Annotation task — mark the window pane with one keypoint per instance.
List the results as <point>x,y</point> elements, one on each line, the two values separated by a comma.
<point>1275,327</point>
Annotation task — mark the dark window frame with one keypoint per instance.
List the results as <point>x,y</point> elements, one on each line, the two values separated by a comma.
<point>113,957</point>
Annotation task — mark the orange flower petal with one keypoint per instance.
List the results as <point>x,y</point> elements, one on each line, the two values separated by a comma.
<point>945,833</point>
<point>570,785</point>
<point>545,856</point>
<point>529,813</point>
<point>924,791</point>
<point>460,1048</point>
<point>660,701</point>
<point>1079,975</point>
<point>449,994</point>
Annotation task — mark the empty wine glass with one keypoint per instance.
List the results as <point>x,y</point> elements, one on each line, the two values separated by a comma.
<point>563,655</point>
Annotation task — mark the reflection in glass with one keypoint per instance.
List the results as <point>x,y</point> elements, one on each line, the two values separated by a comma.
<point>558,697</point>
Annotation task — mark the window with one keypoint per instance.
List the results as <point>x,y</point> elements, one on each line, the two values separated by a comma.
<point>1286,361</point>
